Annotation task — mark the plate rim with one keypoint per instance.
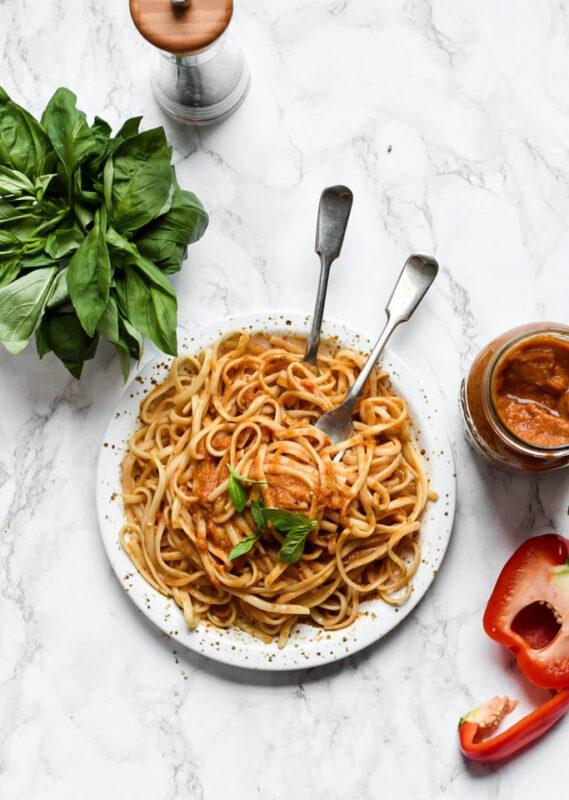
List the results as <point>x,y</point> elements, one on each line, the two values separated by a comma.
<point>227,652</point>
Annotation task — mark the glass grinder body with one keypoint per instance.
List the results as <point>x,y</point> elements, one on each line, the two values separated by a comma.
<point>200,75</point>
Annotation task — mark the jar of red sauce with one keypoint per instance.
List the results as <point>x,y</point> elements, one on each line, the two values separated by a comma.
<point>515,398</point>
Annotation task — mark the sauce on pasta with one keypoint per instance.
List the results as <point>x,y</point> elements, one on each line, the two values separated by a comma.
<point>248,402</point>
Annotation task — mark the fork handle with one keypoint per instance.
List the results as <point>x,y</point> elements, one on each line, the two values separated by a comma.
<point>415,278</point>
<point>333,214</point>
<point>314,337</point>
<point>359,384</point>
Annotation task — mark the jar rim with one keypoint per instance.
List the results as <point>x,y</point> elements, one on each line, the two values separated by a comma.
<point>522,446</point>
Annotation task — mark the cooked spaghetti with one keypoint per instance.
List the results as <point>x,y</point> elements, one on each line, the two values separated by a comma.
<point>249,402</point>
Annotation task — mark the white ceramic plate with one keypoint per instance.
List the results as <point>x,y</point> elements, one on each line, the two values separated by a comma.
<point>308,646</point>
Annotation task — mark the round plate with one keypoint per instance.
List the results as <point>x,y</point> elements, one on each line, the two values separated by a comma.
<point>307,646</point>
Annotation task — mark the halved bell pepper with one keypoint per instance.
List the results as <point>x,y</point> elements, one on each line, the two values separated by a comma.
<point>485,719</point>
<point>528,610</point>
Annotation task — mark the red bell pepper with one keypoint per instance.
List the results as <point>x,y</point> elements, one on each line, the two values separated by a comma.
<point>483,720</point>
<point>528,612</point>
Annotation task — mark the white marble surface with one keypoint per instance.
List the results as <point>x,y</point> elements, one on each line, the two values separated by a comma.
<point>450,121</point>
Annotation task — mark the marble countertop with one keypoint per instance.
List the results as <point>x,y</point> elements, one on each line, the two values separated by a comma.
<point>450,122</point>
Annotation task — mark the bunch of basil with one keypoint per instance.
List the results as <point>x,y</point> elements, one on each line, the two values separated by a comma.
<point>90,225</point>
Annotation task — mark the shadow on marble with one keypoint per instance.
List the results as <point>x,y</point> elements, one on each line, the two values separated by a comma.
<point>187,139</point>
<point>524,505</point>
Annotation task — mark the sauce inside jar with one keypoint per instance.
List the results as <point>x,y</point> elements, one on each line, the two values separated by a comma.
<point>530,391</point>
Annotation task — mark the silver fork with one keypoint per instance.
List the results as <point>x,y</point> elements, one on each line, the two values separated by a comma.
<point>333,214</point>
<point>416,276</point>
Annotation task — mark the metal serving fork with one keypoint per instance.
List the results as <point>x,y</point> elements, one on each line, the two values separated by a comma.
<point>417,275</point>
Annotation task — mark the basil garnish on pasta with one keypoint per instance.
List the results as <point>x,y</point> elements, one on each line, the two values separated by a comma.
<point>295,526</point>
<point>236,489</point>
<point>243,547</point>
<point>257,508</point>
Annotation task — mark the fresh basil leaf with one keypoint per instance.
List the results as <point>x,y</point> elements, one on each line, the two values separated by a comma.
<point>110,329</point>
<point>22,226</point>
<point>22,304</point>
<point>69,133</point>
<point>108,174</point>
<point>23,144</point>
<point>168,256</point>
<point>89,276</point>
<point>129,128</point>
<point>108,325</point>
<point>63,241</point>
<point>42,343</point>
<point>156,250</point>
<point>185,222</point>
<point>137,180</point>
<point>9,239</point>
<point>101,128</point>
<point>286,521</point>
<point>66,337</point>
<point>59,292</point>
<point>161,286</point>
<point>149,306</point>
<point>9,269</point>
<point>295,526</point>
<point>129,343</point>
<point>293,546</point>
<point>84,213</point>
<point>173,263</point>
<point>121,350</point>
<point>8,211</point>
<point>145,296</point>
<point>101,131</point>
<point>126,131</point>
<point>21,207</point>
<point>12,181</point>
<point>237,491</point>
<point>239,477</point>
<point>131,337</point>
<point>257,507</point>
<point>121,249</point>
<point>167,205</point>
<point>117,330</point>
<point>41,185</point>
<point>243,547</point>
<point>87,196</point>
<point>38,260</point>
<point>53,166</point>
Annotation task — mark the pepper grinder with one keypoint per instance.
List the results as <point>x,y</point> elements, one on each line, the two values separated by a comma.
<point>200,74</point>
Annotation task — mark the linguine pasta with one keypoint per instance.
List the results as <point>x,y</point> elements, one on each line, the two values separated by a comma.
<point>249,402</point>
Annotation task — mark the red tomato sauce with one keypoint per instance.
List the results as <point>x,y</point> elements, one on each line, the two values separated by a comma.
<point>530,391</point>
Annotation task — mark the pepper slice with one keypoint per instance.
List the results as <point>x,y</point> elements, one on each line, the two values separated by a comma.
<point>484,719</point>
<point>528,610</point>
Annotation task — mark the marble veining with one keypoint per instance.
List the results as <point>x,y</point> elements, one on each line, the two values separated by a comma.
<point>450,122</point>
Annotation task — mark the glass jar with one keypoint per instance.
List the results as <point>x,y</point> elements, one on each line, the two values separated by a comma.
<point>486,430</point>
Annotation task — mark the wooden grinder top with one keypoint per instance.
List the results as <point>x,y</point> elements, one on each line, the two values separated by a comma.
<point>182,29</point>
